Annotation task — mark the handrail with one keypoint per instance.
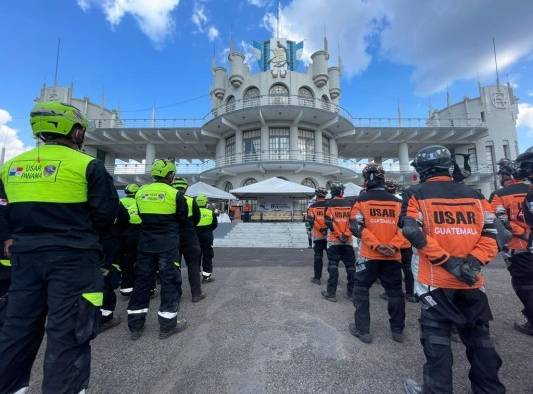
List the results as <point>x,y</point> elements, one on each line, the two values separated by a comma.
<point>266,156</point>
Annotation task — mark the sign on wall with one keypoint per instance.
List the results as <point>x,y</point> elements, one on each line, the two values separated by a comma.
<point>275,204</point>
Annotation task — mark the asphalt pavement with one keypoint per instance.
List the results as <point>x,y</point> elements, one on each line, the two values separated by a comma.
<point>264,328</point>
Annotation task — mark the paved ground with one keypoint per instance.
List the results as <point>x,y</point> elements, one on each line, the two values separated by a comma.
<point>264,328</point>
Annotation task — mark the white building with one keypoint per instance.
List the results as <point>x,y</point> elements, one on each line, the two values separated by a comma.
<point>286,123</point>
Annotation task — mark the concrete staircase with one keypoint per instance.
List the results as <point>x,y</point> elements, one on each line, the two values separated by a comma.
<point>265,235</point>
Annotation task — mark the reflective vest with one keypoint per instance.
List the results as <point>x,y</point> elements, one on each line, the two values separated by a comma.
<point>49,173</point>
<point>189,200</point>
<point>156,198</point>
<point>206,217</point>
<point>130,204</point>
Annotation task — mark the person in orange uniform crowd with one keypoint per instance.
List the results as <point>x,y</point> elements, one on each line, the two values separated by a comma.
<point>340,242</point>
<point>453,229</point>
<point>319,231</point>
<point>374,219</point>
<point>519,257</point>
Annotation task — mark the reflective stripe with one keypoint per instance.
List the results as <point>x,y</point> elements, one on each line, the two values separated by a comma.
<point>206,273</point>
<point>96,298</point>
<point>105,312</point>
<point>126,290</point>
<point>117,267</point>
<point>167,315</point>
<point>137,311</point>
<point>5,262</point>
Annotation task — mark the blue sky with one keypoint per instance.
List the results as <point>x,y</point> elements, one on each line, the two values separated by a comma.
<point>141,53</point>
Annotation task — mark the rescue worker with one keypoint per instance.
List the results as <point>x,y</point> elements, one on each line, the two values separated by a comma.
<point>189,243</point>
<point>374,220</point>
<point>54,200</point>
<point>204,229</point>
<point>452,228</point>
<point>110,268</point>
<point>340,242</point>
<point>392,187</point>
<point>163,211</point>
<point>319,231</point>
<point>130,239</point>
<point>521,262</point>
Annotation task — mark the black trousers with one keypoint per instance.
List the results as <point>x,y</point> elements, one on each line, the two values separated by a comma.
<point>469,311</point>
<point>319,247</point>
<point>128,257</point>
<point>62,288</point>
<point>205,237</point>
<point>337,253</point>
<point>5,280</point>
<point>409,280</point>
<point>389,273</point>
<point>190,249</point>
<point>170,277</point>
<point>521,270</point>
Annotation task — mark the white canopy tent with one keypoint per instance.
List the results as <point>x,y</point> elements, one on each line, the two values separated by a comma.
<point>210,191</point>
<point>351,189</point>
<point>274,187</point>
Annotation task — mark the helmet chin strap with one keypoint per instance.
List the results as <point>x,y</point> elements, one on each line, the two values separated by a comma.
<point>78,136</point>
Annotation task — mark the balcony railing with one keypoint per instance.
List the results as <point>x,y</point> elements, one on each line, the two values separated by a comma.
<point>187,168</point>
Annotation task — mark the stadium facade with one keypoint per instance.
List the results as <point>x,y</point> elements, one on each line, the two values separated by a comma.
<point>290,124</point>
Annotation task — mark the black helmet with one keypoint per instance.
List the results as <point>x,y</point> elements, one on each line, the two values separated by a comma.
<point>524,164</point>
<point>374,175</point>
<point>506,167</point>
<point>337,189</point>
<point>321,192</point>
<point>391,185</point>
<point>431,160</point>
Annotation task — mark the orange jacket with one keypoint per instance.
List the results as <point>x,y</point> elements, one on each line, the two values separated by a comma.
<point>338,221</point>
<point>510,201</point>
<point>316,214</point>
<point>379,210</point>
<point>457,221</point>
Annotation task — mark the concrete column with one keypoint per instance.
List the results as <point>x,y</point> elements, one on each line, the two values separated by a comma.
<point>333,148</point>
<point>318,144</point>
<point>238,145</point>
<point>150,156</point>
<point>265,144</point>
<point>293,142</point>
<point>220,149</point>
<point>403,155</point>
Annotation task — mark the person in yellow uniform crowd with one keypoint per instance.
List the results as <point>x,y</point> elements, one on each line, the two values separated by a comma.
<point>205,227</point>
<point>54,203</point>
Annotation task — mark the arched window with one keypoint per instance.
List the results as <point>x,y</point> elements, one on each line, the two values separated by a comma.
<point>309,182</point>
<point>325,102</point>
<point>279,94</point>
<point>228,186</point>
<point>230,104</point>
<point>249,181</point>
<point>305,97</point>
<point>251,97</point>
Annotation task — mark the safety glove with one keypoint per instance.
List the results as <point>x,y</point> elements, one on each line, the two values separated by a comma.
<point>466,270</point>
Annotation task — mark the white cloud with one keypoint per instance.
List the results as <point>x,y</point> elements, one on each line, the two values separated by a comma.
<point>525,118</point>
<point>259,3</point>
<point>212,33</point>
<point>153,16</point>
<point>443,40</point>
<point>198,16</point>
<point>9,136</point>
<point>349,22</point>
<point>200,19</point>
